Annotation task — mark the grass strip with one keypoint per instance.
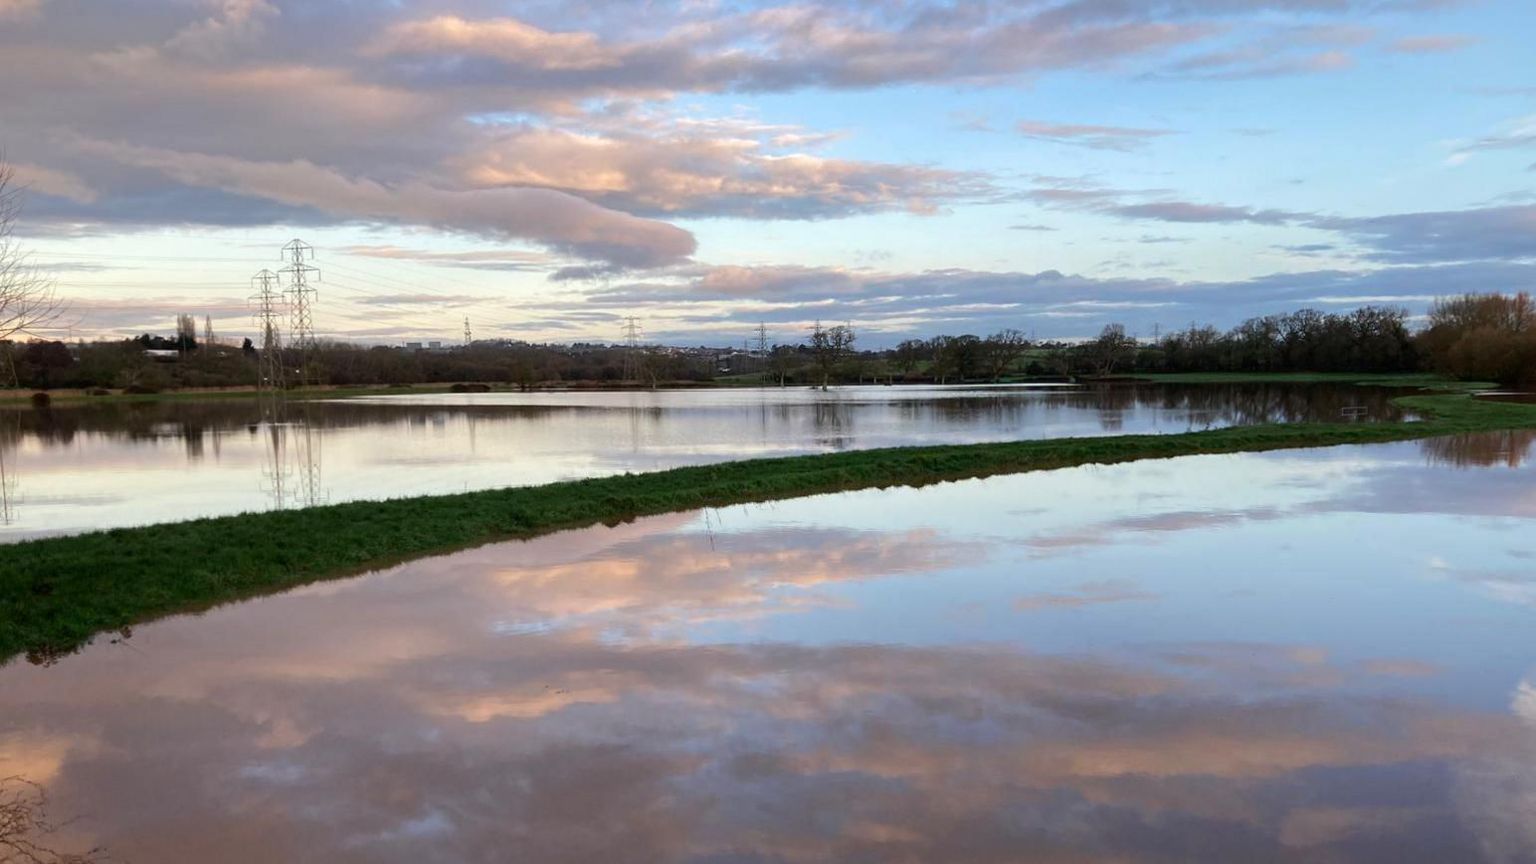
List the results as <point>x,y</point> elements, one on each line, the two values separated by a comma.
<point>56,593</point>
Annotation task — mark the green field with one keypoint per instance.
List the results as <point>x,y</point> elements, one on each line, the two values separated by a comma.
<point>56,593</point>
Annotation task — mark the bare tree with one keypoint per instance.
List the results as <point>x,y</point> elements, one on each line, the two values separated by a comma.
<point>829,346</point>
<point>1003,349</point>
<point>1112,347</point>
<point>27,298</point>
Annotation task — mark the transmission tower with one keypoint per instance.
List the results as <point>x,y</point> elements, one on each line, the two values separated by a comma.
<point>631,349</point>
<point>267,309</point>
<point>301,298</point>
<point>468,337</point>
<point>208,330</point>
<point>761,342</point>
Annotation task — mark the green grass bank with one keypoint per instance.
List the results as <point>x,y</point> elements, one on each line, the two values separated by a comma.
<point>56,593</point>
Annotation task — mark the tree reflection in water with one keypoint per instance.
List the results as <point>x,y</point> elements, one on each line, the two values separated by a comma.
<point>1510,448</point>
<point>111,463</point>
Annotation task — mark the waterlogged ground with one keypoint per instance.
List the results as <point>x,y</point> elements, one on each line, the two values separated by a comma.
<point>1314,656</point>
<point>81,467</point>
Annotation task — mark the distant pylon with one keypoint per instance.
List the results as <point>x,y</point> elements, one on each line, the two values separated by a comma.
<point>762,350</point>
<point>301,298</point>
<point>631,349</point>
<point>468,337</point>
<point>267,308</point>
<point>208,330</point>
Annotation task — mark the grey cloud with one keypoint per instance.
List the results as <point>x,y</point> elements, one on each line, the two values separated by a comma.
<point>1487,234</point>
<point>1184,211</point>
<point>1122,138</point>
<point>561,222</point>
<point>888,306</point>
<point>1432,44</point>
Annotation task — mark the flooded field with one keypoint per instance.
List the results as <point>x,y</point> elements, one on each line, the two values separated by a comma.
<point>1299,656</point>
<point>79,467</point>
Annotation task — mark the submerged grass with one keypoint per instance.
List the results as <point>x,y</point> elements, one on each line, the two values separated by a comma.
<point>56,593</point>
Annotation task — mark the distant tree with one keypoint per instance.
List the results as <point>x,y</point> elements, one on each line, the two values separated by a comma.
<point>782,361</point>
<point>1112,348</point>
<point>1003,349</point>
<point>966,356</point>
<point>186,333</point>
<point>248,348</point>
<point>908,353</point>
<point>45,364</point>
<point>941,358</point>
<point>829,347</point>
<point>1484,336</point>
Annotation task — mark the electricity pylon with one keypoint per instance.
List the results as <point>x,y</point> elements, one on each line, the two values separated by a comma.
<point>301,299</point>
<point>267,308</point>
<point>631,349</point>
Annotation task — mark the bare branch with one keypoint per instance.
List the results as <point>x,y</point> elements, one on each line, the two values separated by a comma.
<point>28,301</point>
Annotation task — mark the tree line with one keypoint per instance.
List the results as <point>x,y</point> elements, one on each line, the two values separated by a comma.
<point>1484,337</point>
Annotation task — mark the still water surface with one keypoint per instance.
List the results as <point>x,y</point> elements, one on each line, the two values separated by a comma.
<point>81,467</point>
<point>1315,656</point>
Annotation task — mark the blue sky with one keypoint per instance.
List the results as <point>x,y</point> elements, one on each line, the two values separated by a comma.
<point>912,167</point>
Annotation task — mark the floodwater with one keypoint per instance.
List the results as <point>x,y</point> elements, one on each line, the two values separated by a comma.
<point>1313,656</point>
<point>75,468</point>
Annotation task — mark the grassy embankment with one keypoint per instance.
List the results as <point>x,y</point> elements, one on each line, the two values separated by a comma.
<point>56,593</point>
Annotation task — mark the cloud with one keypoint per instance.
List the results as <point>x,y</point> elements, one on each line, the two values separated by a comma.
<point>46,181</point>
<point>1121,138</point>
<point>1518,134</point>
<point>19,9</point>
<point>657,168</point>
<point>419,299</point>
<point>1486,234</point>
<point>498,259</point>
<point>769,49</point>
<point>564,223</point>
<point>1295,50</point>
<point>699,301</point>
<point>1434,44</point>
<point>237,22</point>
<point>1185,211</point>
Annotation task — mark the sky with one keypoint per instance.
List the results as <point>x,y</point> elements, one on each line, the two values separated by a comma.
<point>912,167</point>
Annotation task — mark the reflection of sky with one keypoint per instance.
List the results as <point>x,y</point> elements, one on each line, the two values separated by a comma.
<point>85,467</point>
<point>1290,656</point>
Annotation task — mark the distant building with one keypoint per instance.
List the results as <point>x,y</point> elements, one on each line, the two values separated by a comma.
<point>413,346</point>
<point>435,346</point>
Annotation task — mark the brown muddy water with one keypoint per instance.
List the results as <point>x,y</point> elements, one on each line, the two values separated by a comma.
<point>81,467</point>
<point>1315,656</point>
